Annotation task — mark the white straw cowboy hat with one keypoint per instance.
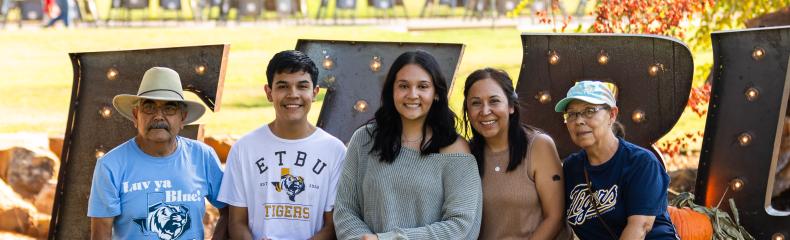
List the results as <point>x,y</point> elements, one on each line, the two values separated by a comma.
<point>159,83</point>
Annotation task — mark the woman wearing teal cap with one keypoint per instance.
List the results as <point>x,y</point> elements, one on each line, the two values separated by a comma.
<point>628,183</point>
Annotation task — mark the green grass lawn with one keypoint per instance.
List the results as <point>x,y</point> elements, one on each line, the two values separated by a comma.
<point>36,72</point>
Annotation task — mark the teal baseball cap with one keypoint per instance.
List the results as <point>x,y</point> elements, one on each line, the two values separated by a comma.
<point>594,92</point>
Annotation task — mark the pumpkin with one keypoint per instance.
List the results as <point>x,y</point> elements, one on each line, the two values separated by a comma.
<point>693,221</point>
<point>689,224</point>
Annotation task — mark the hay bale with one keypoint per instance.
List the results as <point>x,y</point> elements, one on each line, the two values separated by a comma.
<point>27,170</point>
<point>16,214</point>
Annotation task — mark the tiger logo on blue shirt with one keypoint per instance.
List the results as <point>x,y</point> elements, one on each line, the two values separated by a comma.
<point>168,222</point>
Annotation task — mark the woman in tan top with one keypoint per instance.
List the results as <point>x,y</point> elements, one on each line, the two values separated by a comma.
<point>520,168</point>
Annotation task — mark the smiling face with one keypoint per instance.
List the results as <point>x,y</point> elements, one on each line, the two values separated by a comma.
<point>158,121</point>
<point>291,94</point>
<point>590,132</point>
<point>413,93</point>
<point>488,109</point>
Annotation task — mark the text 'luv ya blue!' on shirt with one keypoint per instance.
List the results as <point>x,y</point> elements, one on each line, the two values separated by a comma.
<point>156,197</point>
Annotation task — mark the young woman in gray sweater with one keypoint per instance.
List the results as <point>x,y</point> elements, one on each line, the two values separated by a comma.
<point>408,174</point>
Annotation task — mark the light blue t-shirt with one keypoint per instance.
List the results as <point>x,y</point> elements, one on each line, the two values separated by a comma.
<point>156,197</point>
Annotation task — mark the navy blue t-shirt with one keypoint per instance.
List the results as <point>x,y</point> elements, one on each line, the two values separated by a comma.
<point>632,182</point>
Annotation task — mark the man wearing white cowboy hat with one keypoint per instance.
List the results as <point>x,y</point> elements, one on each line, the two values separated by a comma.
<point>153,186</point>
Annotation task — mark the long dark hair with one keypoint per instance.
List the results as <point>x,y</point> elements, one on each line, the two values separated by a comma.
<point>440,119</point>
<point>517,131</point>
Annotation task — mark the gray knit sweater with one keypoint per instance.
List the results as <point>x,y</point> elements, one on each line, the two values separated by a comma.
<point>437,196</point>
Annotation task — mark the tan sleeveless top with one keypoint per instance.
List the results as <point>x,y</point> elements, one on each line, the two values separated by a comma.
<point>511,207</point>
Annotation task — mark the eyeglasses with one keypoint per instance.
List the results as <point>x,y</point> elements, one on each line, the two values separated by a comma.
<point>586,113</point>
<point>168,109</point>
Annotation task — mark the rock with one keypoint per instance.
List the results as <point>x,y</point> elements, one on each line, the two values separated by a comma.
<point>221,145</point>
<point>27,170</point>
<point>16,214</point>
<point>12,235</point>
<point>56,145</point>
<point>29,140</point>
<point>46,197</point>
<point>5,159</point>
<point>41,228</point>
<point>210,220</point>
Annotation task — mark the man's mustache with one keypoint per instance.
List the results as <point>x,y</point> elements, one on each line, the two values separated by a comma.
<point>159,125</point>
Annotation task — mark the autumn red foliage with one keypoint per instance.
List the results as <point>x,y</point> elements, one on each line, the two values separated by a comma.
<point>661,17</point>
<point>699,99</point>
